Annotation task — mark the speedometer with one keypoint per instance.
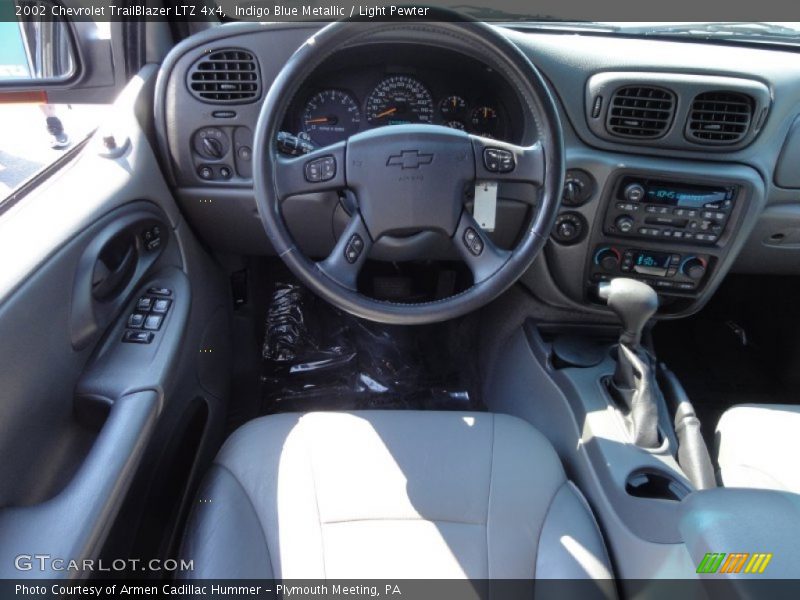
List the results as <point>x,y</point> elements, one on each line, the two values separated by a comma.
<point>331,116</point>
<point>399,99</point>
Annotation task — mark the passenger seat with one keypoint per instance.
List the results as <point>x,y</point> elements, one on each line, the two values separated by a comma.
<point>758,446</point>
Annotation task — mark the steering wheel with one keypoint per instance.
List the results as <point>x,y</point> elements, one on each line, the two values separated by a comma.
<point>410,178</point>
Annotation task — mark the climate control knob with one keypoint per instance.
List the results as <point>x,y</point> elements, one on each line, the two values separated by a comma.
<point>624,223</point>
<point>634,192</point>
<point>694,268</point>
<point>608,258</point>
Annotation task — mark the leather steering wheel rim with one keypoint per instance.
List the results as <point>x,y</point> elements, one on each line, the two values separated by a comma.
<point>494,270</point>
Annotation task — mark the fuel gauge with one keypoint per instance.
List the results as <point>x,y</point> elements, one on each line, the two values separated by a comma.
<point>484,120</point>
<point>452,106</point>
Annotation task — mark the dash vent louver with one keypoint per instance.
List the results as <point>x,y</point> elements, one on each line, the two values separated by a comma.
<point>719,117</point>
<point>643,112</point>
<point>228,76</point>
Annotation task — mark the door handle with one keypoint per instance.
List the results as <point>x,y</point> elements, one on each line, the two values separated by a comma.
<point>107,280</point>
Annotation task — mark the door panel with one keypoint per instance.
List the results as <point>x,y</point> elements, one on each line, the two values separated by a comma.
<point>88,421</point>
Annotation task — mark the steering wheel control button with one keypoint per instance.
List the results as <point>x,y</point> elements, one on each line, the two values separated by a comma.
<point>153,322</point>
<point>497,160</point>
<point>354,248</point>
<point>320,169</point>
<point>136,320</point>
<point>473,241</point>
<point>137,337</point>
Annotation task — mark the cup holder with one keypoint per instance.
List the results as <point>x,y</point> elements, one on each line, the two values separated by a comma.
<point>656,485</point>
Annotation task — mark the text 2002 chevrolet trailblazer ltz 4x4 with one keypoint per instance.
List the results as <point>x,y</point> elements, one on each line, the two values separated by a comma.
<point>399,300</point>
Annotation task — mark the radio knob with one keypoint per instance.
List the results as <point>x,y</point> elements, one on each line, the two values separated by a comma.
<point>694,268</point>
<point>634,192</point>
<point>608,259</point>
<point>624,223</point>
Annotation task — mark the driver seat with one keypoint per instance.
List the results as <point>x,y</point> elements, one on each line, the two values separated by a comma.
<point>391,494</point>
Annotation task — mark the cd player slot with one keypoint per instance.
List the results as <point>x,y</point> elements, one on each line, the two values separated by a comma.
<point>671,221</point>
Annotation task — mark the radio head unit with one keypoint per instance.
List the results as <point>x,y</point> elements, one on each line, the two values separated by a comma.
<point>669,211</point>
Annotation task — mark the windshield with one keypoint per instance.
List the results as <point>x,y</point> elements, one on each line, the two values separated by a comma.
<point>765,32</point>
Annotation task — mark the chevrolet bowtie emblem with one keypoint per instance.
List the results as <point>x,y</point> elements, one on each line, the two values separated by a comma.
<point>409,159</point>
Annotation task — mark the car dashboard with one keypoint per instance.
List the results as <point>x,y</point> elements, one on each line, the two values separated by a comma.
<point>678,153</point>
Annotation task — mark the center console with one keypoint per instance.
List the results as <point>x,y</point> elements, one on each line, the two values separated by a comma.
<point>675,225</point>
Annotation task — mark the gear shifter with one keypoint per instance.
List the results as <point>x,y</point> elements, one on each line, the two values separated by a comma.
<point>634,382</point>
<point>634,303</point>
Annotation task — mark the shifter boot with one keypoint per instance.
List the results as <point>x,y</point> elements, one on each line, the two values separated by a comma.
<point>641,399</point>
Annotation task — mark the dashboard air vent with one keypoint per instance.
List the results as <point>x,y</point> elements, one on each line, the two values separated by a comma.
<point>225,77</point>
<point>719,117</point>
<point>640,112</point>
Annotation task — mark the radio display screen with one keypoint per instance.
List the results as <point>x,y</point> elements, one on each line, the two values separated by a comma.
<point>679,194</point>
<point>690,198</point>
<point>651,263</point>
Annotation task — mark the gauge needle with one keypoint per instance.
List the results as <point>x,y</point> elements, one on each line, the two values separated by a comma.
<point>317,120</point>
<point>386,113</point>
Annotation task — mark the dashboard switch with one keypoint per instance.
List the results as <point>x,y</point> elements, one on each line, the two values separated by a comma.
<point>144,304</point>
<point>498,160</point>
<point>320,169</point>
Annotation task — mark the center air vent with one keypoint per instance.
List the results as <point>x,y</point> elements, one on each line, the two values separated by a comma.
<point>719,117</point>
<point>225,77</point>
<point>640,112</point>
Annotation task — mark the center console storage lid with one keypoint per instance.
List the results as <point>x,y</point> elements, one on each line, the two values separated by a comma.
<point>744,521</point>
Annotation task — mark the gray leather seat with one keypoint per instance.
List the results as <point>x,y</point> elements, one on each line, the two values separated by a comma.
<point>391,494</point>
<point>758,446</point>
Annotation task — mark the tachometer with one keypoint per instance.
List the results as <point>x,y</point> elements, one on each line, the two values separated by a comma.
<point>331,116</point>
<point>399,99</point>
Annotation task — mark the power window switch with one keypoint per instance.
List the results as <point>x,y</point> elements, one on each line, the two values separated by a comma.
<point>136,320</point>
<point>161,306</point>
<point>160,291</point>
<point>153,322</point>
<point>137,337</point>
<point>144,304</point>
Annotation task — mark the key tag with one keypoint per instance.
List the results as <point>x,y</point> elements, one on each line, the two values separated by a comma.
<point>485,207</point>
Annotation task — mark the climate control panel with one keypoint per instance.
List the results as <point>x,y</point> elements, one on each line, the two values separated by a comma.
<point>665,271</point>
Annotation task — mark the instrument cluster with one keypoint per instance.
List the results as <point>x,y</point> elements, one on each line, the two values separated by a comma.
<point>337,108</point>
